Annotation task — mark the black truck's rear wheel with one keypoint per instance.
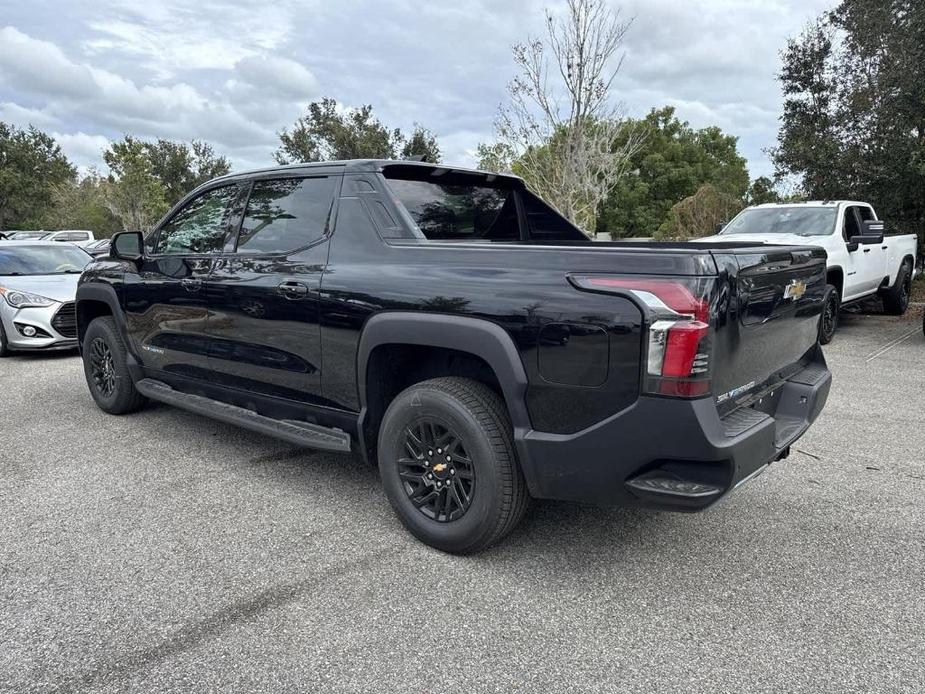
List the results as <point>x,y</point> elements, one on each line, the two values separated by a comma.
<point>448,465</point>
<point>828,321</point>
<point>896,298</point>
<point>106,370</point>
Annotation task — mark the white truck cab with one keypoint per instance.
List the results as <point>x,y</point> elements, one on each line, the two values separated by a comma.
<point>862,261</point>
<point>79,237</point>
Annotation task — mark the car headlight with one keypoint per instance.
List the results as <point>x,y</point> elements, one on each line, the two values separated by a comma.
<point>18,299</point>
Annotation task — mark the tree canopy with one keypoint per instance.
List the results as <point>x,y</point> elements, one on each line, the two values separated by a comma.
<point>672,164</point>
<point>853,123</point>
<point>31,165</point>
<point>329,132</point>
<point>180,167</point>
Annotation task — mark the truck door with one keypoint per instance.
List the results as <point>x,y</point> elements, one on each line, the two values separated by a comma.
<point>867,262</point>
<point>264,290</point>
<point>166,309</point>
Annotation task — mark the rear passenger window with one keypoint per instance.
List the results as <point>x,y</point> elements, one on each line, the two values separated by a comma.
<point>285,214</point>
<point>459,212</point>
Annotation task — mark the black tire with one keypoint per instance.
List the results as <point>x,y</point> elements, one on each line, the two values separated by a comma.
<point>4,345</point>
<point>828,321</point>
<point>106,369</point>
<point>475,419</point>
<point>896,298</point>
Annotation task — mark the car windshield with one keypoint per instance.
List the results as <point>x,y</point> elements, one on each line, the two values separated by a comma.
<point>26,235</point>
<point>801,221</point>
<point>42,260</point>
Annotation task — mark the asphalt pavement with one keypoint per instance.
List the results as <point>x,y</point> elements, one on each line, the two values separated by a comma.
<point>163,552</point>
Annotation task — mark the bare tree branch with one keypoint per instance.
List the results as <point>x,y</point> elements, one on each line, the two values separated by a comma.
<point>560,125</point>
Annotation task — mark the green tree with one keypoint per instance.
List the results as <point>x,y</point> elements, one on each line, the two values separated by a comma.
<point>699,214</point>
<point>672,164</point>
<point>81,205</point>
<point>423,144</point>
<point>762,190</point>
<point>31,165</point>
<point>133,193</point>
<point>180,167</point>
<point>328,132</point>
<point>853,123</point>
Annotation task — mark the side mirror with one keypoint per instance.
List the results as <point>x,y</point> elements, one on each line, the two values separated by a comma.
<point>719,227</point>
<point>872,231</point>
<point>127,245</point>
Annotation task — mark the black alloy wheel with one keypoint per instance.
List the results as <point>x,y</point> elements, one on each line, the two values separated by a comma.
<point>437,474</point>
<point>102,369</point>
<point>105,362</point>
<point>449,466</point>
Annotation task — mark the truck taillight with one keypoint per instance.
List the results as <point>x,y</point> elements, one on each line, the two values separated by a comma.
<point>678,322</point>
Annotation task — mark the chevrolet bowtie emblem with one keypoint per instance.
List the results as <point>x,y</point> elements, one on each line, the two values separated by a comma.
<point>795,290</point>
<point>439,467</point>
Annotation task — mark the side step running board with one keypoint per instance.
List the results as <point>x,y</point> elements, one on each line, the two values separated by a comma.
<point>298,433</point>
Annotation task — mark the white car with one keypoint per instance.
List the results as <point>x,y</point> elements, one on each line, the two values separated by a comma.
<point>79,237</point>
<point>862,262</point>
<point>38,283</point>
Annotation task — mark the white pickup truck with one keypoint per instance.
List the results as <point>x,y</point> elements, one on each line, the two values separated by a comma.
<point>862,261</point>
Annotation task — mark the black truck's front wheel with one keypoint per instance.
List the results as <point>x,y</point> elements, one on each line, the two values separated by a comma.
<point>448,465</point>
<point>106,370</point>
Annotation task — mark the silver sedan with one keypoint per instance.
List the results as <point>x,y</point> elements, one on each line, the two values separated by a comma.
<point>38,284</point>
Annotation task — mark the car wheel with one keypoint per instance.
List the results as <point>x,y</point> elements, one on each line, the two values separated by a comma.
<point>896,298</point>
<point>106,369</point>
<point>4,345</point>
<point>828,321</point>
<point>448,464</point>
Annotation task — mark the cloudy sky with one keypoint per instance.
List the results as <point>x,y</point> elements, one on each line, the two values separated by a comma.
<point>235,73</point>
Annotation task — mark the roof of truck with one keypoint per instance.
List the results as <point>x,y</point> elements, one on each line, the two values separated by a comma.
<point>812,203</point>
<point>368,166</point>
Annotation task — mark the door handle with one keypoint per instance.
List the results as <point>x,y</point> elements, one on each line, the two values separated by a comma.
<point>293,290</point>
<point>867,250</point>
<point>191,284</point>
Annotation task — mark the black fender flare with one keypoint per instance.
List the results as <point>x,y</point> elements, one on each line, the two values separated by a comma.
<point>106,294</point>
<point>486,340</point>
<point>482,338</point>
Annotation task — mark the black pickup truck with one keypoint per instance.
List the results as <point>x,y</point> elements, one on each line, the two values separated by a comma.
<point>452,327</point>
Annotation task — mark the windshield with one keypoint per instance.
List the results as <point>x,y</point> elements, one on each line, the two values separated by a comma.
<point>802,221</point>
<point>26,235</point>
<point>42,260</point>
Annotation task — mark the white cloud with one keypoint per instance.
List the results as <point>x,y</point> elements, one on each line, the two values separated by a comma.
<point>22,116</point>
<point>84,150</point>
<point>264,93</point>
<point>235,73</point>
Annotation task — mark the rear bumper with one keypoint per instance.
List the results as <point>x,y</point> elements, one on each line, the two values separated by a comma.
<point>673,454</point>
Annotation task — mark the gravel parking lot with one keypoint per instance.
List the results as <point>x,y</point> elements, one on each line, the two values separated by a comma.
<point>163,552</point>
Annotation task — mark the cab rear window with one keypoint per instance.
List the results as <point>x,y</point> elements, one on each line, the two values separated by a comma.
<point>459,212</point>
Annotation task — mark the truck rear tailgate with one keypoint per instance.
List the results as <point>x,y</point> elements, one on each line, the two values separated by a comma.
<point>769,303</point>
